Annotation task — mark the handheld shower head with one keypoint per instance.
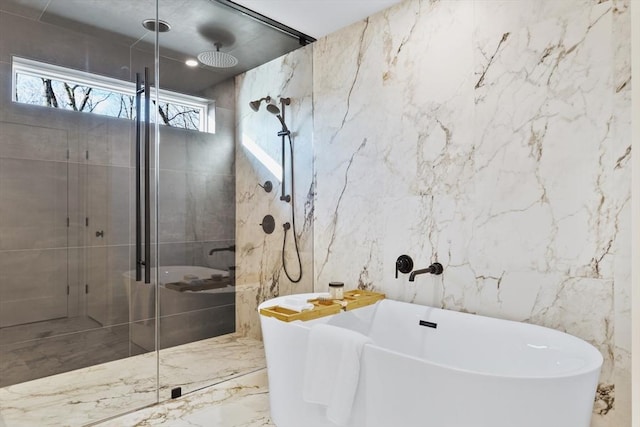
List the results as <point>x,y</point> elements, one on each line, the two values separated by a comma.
<point>255,105</point>
<point>285,129</point>
<point>273,109</point>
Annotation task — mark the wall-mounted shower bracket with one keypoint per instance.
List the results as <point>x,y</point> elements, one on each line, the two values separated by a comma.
<point>268,224</point>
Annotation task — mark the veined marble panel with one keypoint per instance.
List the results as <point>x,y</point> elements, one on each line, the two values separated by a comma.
<point>258,159</point>
<point>621,265</point>
<point>493,137</point>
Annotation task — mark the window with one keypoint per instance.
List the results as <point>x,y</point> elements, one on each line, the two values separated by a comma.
<point>49,85</point>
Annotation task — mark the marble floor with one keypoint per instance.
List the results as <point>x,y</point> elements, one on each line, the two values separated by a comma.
<point>95,393</point>
<point>241,402</point>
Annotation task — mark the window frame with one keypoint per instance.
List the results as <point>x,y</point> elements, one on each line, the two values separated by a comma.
<point>39,69</point>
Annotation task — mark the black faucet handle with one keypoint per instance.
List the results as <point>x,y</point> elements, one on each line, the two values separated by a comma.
<point>436,268</point>
<point>404,264</point>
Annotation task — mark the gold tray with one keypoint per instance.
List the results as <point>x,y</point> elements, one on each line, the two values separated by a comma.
<point>360,298</point>
<point>352,299</point>
<point>287,315</point>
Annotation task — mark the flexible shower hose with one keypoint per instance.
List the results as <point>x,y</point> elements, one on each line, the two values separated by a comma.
<point>293,222</point>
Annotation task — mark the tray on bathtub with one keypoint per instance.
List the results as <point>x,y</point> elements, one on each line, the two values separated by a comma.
<point>287,315</point>
<point>352,299</point>
<point>359,298</point>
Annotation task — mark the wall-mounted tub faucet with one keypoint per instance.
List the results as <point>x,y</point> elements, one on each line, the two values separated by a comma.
<point>435,268</point>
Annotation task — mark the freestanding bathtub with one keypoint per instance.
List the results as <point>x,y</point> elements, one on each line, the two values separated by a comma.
<point>427,367</point>
<point>184,316</point>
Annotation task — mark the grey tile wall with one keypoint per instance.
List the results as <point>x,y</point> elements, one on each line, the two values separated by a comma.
<point>58,165</point>
<point>33,204</point>
<point>33,285</point>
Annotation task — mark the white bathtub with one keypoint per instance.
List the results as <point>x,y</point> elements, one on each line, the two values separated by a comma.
<point>469,371</point>
<point>184,316</point>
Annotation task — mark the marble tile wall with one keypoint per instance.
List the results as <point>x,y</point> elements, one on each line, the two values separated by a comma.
<point>260,273</point>
<point>492,137</point>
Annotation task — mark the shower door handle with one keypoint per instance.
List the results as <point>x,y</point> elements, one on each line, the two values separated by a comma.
<point>139,261</point>
<point>143,87</point>
<point>147,186</point>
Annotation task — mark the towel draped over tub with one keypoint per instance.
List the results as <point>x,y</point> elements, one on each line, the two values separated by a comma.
<point>332,370</point>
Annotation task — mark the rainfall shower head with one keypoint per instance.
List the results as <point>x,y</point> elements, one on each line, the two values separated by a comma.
<point>217,59</point>
<point>255,105</point>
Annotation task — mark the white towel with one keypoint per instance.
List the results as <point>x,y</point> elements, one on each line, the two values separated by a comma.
<point>296,304</point>
<point>332,370</point>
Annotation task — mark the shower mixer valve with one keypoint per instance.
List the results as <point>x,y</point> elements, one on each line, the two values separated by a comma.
<point>267,187</point>
<point>404,264</point>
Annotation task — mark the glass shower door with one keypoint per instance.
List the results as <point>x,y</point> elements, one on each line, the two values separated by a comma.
<point>197,203</point>
<point>68,211</point>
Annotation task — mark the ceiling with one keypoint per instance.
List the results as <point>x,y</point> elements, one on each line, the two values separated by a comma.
<point>317,18</point>
<point>196,25</point>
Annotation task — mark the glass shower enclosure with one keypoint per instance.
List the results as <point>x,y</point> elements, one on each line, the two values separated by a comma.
<point>117,202</point>
<point>71,177</point>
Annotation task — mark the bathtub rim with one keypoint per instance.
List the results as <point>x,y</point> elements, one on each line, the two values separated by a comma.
<point>592,365</point>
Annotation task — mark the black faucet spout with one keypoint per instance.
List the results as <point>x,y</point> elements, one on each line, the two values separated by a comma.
<point>435,268</point>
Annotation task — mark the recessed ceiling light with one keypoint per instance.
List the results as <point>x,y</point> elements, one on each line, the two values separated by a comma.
<point>191,62</point>
<point>150,24</point>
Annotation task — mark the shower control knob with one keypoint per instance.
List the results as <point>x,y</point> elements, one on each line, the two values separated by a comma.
<point>268,186</point>
<point>268,224</point>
